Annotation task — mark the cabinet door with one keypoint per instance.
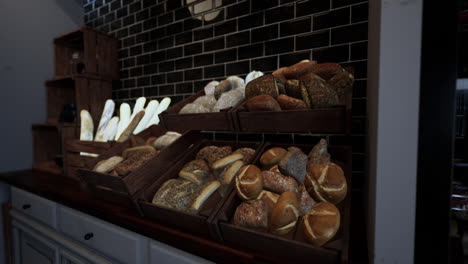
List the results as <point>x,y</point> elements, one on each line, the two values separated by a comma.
<point>67,257</point>
<point>34,251</point>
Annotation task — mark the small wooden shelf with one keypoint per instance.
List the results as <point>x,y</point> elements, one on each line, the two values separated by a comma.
<point>86,50</point>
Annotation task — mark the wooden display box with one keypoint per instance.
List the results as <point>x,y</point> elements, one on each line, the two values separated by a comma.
<point>334,120</point>
<point>215,121</point>
<point>86,51</point>
<point>73,161</point>
<point>122,190</point>
<point>85,92</point>
<point>200,223</point>
<point>48,142</point>
<point>292,247</point>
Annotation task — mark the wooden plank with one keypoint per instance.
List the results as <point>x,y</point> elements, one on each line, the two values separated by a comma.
<point>76,145</point>
<point>77,160</point>
<point>90,51</point>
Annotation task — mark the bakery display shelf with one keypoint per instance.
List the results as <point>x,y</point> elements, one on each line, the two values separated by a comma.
<point>201,223</point>
<point>292,246</point>
<point>214,121</point>
<point>122,190</point>
<point>82,91</point>
<point>88,51</point>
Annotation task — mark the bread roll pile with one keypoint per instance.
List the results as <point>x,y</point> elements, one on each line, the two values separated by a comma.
<point>220,95</point>
<point>132,158</point>
<point>304,85</point>
<point>213,169</point>
<point>292,188</point>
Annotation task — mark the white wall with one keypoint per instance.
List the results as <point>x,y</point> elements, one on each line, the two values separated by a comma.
<point>27,28</point>
<point>393,103</point>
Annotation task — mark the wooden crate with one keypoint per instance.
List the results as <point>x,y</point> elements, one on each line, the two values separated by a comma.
<point>86,51</point>
<point>194,223</point>
<point>48,142</point>
<point>85,92</point>
<point>73,161</point>
<point>122,190</point>
<point>216,121</point>
<point>292,247</point>
<point>335,120</point>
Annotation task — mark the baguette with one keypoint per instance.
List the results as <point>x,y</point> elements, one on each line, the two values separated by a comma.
<point>128,131</point>
<point>105,117</point>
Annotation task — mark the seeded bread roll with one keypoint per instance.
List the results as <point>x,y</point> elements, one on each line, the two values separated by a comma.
<point>130,151</point>
<point>252,214</point>
<point>175,194</point>
<point>213,153</point>
<point>248,153</point>
<point>294,164</point>
<point>326,183</point>
<point>285,214</point>
<point>202,194</point>
<point>272,156</point>
<point>249,182</point>
<point>134,161</point>
<point>290,103</point>
<point>196,171</point>
<point>262,103</point>
<point>278,183</point>
<point>321,223</point>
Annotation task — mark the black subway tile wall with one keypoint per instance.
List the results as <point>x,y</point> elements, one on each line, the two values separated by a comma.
<point>171,48</point>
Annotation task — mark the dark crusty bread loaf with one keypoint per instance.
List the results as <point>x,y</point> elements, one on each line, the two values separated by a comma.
<point>298,69</point>
<point>262,103</point>
<point>293,89</point>
<point>319,91</point>
<point>326,70</point>
<point>135,160</point>
<point>247,152</point>
<point>290,103</point>
<point>266,84</point>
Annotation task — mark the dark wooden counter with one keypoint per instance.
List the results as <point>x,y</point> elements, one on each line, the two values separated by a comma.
<point>67,192</point>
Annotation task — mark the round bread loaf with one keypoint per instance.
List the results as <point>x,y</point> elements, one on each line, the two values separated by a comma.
<point>326,70</point>
<point>321,223</point>
<point>326,183</point>
<point>262,103</point>
<point>290,103</point>
<point>266,84</point>
<point>298,69</point>
<point>293,89</point>
<point>285,214</point>
<point>272,156</point>
<point>275,182</point>
<point>270,198</point>
<point>249,182</point>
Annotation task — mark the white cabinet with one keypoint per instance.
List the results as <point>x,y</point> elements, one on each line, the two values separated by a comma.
<point>164,254</point>
<point>112,240</point>
<point>38,208</point>
<point>67,257</point>
<point>33,250</point>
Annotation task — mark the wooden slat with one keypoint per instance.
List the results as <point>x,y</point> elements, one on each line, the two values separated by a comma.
<point>76,145</point>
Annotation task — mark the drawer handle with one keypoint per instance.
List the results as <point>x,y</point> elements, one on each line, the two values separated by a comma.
<point>88,236</point>
<point>26,206</point>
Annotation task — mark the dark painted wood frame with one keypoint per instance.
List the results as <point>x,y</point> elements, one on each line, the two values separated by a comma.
<point>436,132</point>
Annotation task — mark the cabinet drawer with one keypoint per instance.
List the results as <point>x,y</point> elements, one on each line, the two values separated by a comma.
<point>38,208</point>
<point>164,254</point>
<point>109,239</point>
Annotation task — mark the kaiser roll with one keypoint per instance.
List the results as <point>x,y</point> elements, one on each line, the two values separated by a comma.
<point>321,223</point>
<point>272,157</point>
<point>249,182</point>
<point>326,183</point>
<point>285,214</point>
